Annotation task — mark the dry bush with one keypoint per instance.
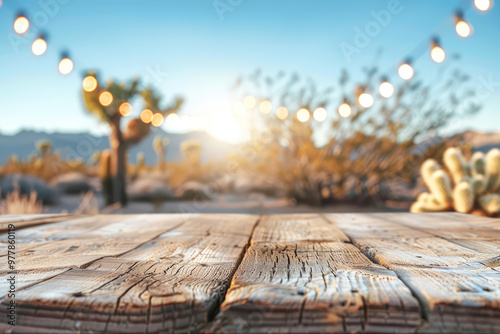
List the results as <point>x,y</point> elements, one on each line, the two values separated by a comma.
<point>15,204</point>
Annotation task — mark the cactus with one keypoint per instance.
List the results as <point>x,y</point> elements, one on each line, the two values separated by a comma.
<point>105,175</point>
<point>476,184</point>
<point>44,147</point>
<point>160,146</point>
<point>140,161</point>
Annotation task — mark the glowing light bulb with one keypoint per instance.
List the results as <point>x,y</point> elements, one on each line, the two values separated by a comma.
<point>438,54</point>
<point>105,98</point>
<point>405,71</point>
<point>482,5</point>
<point>173,117</point>
<point>65,66</point>
<point>463,28</point>
<point>89,83</point>
<point>249,102</point>
<point>146,116</point>
<point>21,25</point>
<point>366,100</point>
<point>303,115</point>
<point>386,89</point>
<point>282,113</point>
<point>39,46</point>
<point>344,110</point>
<point>265,107</point>
<point>157,120</point>
<point>125,109</point>
<point>320,114</point>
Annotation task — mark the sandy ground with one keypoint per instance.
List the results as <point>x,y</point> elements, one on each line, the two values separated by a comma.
<point>251,204</point>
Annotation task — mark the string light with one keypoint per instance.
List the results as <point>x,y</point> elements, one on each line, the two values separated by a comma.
<point>125,109</point>
<point>89,83</point>
<point>21,24</point>
<point>303,115</point>
<point>386,89</point>
<point>437,53</point>
<point>39,46</point>
<point>365,100</point>
<point>345,109</point>
<point>265,107</point>
<point>282,113</point>
<point>320,114</point>
<point>173,117</point>
<point>105,98</point>
<point>249,102</point>
<point>65,65</point>
<point>157,120</point>
<point>462,28</point>
<point>482,5</point>
<point>146,116</point>
<point>405,71</point>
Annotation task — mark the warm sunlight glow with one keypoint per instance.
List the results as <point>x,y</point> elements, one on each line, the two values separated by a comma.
<point>344,110</point>
<point>405,71</point>
<point>125,109</point>
<point>105,98</point>
<point>225,126</point>
<point>21,25</point>
<point>282,113</point>
<point>65,66</point>
<point>172,118</point>
<point>366,100</point>
<point>320,114</point>
<point>239,108</point>
<point>39,47</point>
<point>303,115</point>
<point>463,28</point>
<point>482,5</point>
<point>265,107</point>
<point>157,120</point>
<point>89,83</point>
<point>146,116</point>
<point>437,54</point>
<point>249,102</point>
<point>386,89</point>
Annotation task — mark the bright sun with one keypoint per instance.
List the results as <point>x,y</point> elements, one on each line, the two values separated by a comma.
<point>226,127</point>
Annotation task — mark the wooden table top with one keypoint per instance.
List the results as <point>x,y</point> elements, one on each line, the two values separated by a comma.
<point>216,273</point>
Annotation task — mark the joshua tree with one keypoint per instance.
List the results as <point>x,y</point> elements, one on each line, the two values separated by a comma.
<point>160,146</point>
<point>109,102</point>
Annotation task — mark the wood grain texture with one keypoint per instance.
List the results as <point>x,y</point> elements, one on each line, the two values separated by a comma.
<point>296,279</point>
<point>172,282</point>
<point>24,221</point>
<point>457,284</point>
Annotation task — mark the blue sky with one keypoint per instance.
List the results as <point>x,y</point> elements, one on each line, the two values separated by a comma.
<point>195,52</point>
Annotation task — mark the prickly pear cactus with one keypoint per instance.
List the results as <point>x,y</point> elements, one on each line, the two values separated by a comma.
<point>464,186</point>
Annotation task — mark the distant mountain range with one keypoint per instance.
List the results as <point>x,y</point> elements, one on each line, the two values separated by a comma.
<point>83,145</point>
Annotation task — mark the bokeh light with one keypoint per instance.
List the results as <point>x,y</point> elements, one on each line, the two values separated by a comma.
<point>39,46</point>
<point>463,28</point>
<point>265,107</point>
<point>303,115</point>
<point>89,83</point>
<point>146,116</point>
<point>438,54</point>
<point>344,110</point>
<point>386,89</point>
<point>65,66</point>
<point>249,102</point>
<point>482,5</point>
<point>282,113</point>
<point>405,71</point>
<point>320,114</point>
<point>21,25</point>
<point>125,109</point>
<point>105,98</point>
<point>365,100</point>
<point>157,120</point>
<point>172,118</point>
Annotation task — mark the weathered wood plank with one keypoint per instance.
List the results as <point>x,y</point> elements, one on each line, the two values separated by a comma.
<point>174,282</point>
<point>310,281</point>
<point>24,221</point>
<point>457,290</point>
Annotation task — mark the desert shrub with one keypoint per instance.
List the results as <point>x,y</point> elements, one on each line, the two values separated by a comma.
<point>364,153</point>
<point>16,203</point>
<point>25,185</point>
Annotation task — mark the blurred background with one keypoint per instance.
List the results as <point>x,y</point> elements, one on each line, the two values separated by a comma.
<point>249,106</point>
